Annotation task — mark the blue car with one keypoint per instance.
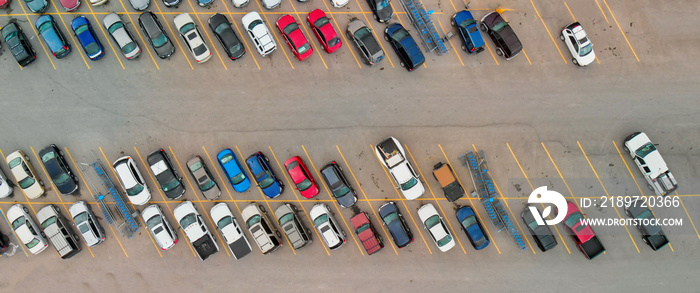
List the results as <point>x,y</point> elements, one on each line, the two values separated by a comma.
<point>472,42</point>
<point>204,3</point>
<point>410,55</point>
<point>393,220</point>
<point>91,44</point>
<point>37,6</point>
<point>470,224</point>
<point>52,36</point>
<point>234,172</point>
<point>266,180</point>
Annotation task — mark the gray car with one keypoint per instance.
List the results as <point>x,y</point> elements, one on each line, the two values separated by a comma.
<point>365,42</point>
<point>205,181</point>
<point>140,5</point>
<point>297,234</point>
<point>156,35</point>
<point>121,35</point>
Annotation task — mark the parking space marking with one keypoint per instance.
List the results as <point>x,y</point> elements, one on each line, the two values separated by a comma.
<point>175,36</point>
<point>145,45</point>
<point>70,33</point>
<point>238,32</point>
<point>454,234</point>
<point>223,182</point>
<point>404,203</point>
<point>491,51</point>
<point>206,212</point>
<point>621,31</point>
<point>206,32</point>
<point>470,201</point>
<point>132,205</point>
<point>393,246</point>
<point>602,12</point>
<point>267,202</point>
<point>273,34</point>
<point>508,206</point>
<point>533,188</point>
<point>36,32</point>
<point>572,16</point>
<point>453,46</point>
<point>686,212</point>
<point>99,24</point>
<point>386,53</point>
<point>607,194</point>
<point>15,233</point>
<point>307,33</point>
<point>548,32</point>
<point>342,35</point>
<point>318,175</point>
<point>54,188</point>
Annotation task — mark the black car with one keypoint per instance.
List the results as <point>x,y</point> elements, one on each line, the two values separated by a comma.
<point>507,43</point>
<point>228,38</point>
<point>4,243</point>
<point>391,218</point>
<point>647,224</point>
<point>541,233</point>
<point>340,187</point>
<point>58,169</point>
<point>410,55</point>
<point>19,45</point>
<point>156,35</point>
<point>381,10</point>
<point>169,181</point>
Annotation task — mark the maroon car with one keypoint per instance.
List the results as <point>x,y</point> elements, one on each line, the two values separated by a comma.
<point>365,231</point>
<point>69,5</point>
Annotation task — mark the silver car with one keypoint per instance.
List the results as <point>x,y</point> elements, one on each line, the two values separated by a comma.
<point>140,5</point>
<point>121,35</point>
<point>265,235</point>
<point>160,228</point>
<point>365,42</point>
<point>205,181</point>
<point>327,226</point>
<point>87,224</point>
<point>298,235</point>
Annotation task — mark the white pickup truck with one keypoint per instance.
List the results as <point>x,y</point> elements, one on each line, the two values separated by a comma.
<point>653,167</point>
<point>393,157</point>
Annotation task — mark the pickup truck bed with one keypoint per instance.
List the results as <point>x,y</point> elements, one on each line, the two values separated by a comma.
<point>591,248</point>
<point>657,241</point>
<point>239,248</point>
<point>205,246</point>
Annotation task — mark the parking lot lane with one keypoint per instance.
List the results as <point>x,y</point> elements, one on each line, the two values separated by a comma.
<point>624,35</point>
<point>19,243</point>
<point>172,33</point>
<point>342,35</point>
<point>533,188</point>
<point>272,28</point>
<point>69,31</point>
<point>548,32</point>
<point>574,17</point>
<point>309,36</point>
<point>437,202</point>
<point>201,202</point>
<point>369,23</point>
<point>98,23</point>
<point>508,206</point>
<point>606,193</point>
<point>453,46</point>
<point>471,201</point>
<point>206,32</point>
<point>330,196</point>
<point>393,246</point>
<point>401,199</point>
<point>241,36</point>
<point>54,188</point>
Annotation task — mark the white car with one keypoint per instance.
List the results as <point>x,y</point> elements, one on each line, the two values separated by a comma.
<point>196,231</point>
<point>121,35</point>
<point>239,3</point>
<point>436,226</point>
<point>650,163</point>
<point>26,230</point>
<point>271,4</point>
<point>192,38</point>
<point>325,223</point>
<point>132,181</point>
<point>97,2</point>
<point>25,175</point>
<point>339,3</point>
<point>159,227</point>
<point>579,45</point>
<point>259,33</point>
<point>5,186</point>
<point>228,227</point>
<point>87,224</point>
<point>393,157</point>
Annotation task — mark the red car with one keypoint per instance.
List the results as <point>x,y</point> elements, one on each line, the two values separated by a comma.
<point>324,31</point>
<point>70,5</point>
<point>365,231</point>
<point>289,28</point>
<point>301,177</point>
<point>3,3</point>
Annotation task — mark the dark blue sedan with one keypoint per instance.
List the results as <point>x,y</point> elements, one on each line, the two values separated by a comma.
<point>264,177</point>
<point>393,220</point>
<point>91,44</point>
<point>472,42</point>
<point>470,224</point>
<point>234,172</point>
<point>405,46</point>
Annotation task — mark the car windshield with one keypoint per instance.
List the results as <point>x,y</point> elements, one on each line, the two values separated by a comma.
<point>92,48</point>
<point>381,5</point>
<point>286,219</point>
<point>196,166</point>
<point>129,47</point>
<point>115,27</point>
<point>153,221</point>
<point>645,215</point>
<point>207,185</point>
<point>48,222</point>
<point>220,28</point>
<point>159,40</point>
<point>81,29</point>
<point>237,179</point>
<point>408,184</point>
<point>304,48</point>
<point>586,50</point>
<point>320,220</point>
<point>236,47</point>
<point>321,21</point>
<point>533,225</point>
<point>172,184</point>
<point>254,23</point>
<point>571,221</point>
<point>399,35</point>
<point>432,221</point>
<point>187,220</point>
<point>471,220</point>
<point>225,221</point>
<point>253,220</point>
<point>265,183</point>
<point>467,22</point>
<point>343,190</point>
<point>199,50</point>
<point>333,41</point>
<point>391,217</point>
<point>290,28</point>
<point>18,223</point>
<point>45,26</point>
<point>32,243</point>
<point>26,182</point>
<point>61,179</point>
<point>48,156</point>
<point>226,158</point>
<point>641,152</point>
<point>134,190</point>
<point>442,242</point>
<point>362,228</point>
<point>499,26</point>
<point>186,28</point>
<point>82,217</point>
<point>362,33</point>
<point>304,185</point>
<point>15,162</point>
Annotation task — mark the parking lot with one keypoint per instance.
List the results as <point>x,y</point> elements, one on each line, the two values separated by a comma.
<point>539,119</point>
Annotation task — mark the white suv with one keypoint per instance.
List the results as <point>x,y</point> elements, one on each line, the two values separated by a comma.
<point>259,33</point>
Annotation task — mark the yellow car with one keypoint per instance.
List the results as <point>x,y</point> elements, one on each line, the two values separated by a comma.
<point>26,178</point>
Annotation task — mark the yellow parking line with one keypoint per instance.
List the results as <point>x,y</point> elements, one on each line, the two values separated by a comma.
<point>267,202</point>
<point>606,193</point>
<point>206,212</point>
<point>318,175</point>
<point>208,37</point>
<point>415,163</point>
<point>175,36</point>
<point>297,197</point>
<point>242,37</point>
<point>572,16</point>
<point>549,33</point>
<point>365,195</point>
<point>404,203</point>
<point>307,33</point>
<point>508,206</point>
<point>29,21</point>
<point>115,175</point>
<point>13,232</point>
<point>99,24</point>
<point>70,33</point>
<point>386,53</point>
<point>275,35</point>
<point>470,201</point>
<point>342,35</point>
<point>687,214</point>
<point>533,188</point>
<point>601,11</point>
<point>223,182</point>
<point>453,46</point>
<point>145,45</point>
<point>621,31</point>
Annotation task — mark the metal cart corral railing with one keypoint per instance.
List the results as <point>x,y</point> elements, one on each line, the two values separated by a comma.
<point>425,27</point>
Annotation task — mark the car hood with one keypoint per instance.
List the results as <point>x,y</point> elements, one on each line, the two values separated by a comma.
<point>140,4</point>
<point>386,13</point>
<point>37,5</point>
<point>347,200</point>
<point>273,190</point>
<point>271,3</point>
<point>491,19</point>
<point>70,4</point>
